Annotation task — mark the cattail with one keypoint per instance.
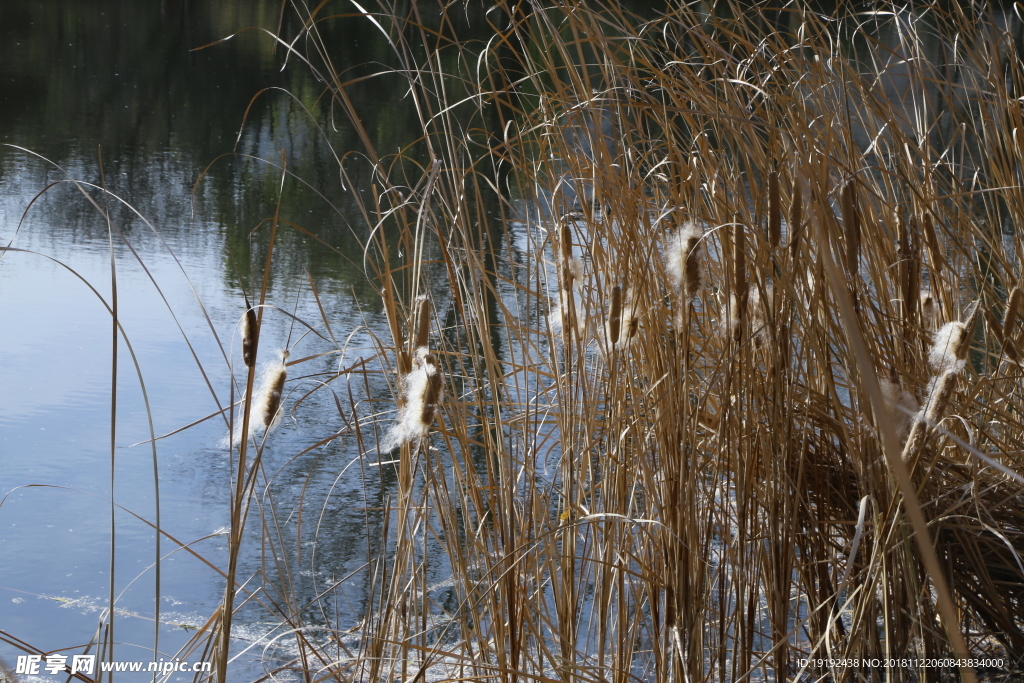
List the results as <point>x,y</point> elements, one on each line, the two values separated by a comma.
<point>940,388</point>
<point>774,210</point>
<point>758,312</point>
<point>948,352</point>
<point>631,319</point>
<point>627,325</point>
<point>938,398</point>
<point>1008,336</point>
<point>270,400</point>
<point>684,259</point>
<point>423,392</point>
<point>931,242</point>
<point>422,323</point>
<point>929,309</point>
<point>796,216</point>
<point>851,227</point>
<point>249,336</point>
<point>432,391</point>
<point>569,267</point>
<point>615,315</point>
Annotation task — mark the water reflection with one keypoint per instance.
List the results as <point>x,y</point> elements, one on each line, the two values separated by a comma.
<point>119,77</point>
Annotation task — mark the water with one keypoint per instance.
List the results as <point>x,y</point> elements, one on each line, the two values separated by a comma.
<point>109,93</point>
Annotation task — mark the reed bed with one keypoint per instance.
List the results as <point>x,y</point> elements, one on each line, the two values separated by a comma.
<point>705,342</point>
<point>702,356</point>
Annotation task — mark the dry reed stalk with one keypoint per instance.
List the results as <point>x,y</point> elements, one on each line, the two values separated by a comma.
<point>1009,336</point>
<point>721,465</point>
<point>740,285</point>
<point>796,214</point>
<point>910,275</point>
<point>774,210</point>
<point>851,229</point>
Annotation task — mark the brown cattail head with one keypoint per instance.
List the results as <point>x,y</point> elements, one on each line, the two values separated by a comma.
<point>566,262</point>
<point>684,259</point>
<point>615,315</point>
<point>851,227</point>
<point>432,391</point>
<point>931,242</point>
<point>1009,335</point>
<point>774,210</point>
<point>249,336</point>
<point>272,390</point>
<point>422,323</point>
<point>929,309</point>
<point>796,216</point>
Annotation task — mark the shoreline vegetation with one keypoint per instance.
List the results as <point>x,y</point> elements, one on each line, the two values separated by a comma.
<point>703,352</point>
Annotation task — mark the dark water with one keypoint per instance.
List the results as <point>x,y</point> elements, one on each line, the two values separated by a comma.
<point>112,94</point>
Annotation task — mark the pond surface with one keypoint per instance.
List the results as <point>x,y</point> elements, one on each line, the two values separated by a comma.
<point>111,94</point>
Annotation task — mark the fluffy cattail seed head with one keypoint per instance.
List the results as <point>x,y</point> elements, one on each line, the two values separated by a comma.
<point>684,259</point>
<point>423,391</point>
<point>272,390</point>
<point>929,309</point>
<point>948,352</point>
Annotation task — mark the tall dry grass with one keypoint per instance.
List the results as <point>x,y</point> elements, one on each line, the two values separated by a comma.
<point>662,297</point>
